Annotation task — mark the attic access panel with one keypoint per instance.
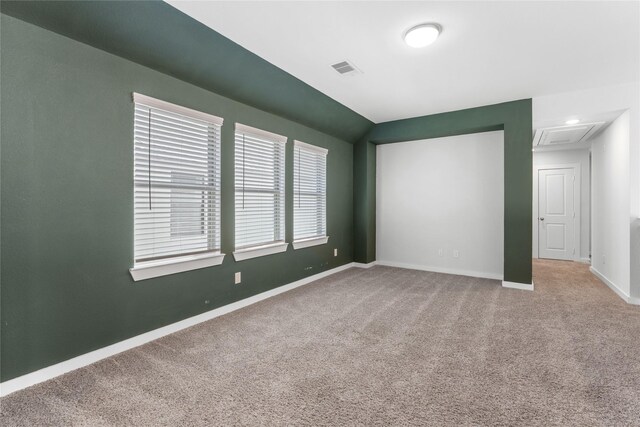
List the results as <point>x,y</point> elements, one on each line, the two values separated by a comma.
<point>569,134</point>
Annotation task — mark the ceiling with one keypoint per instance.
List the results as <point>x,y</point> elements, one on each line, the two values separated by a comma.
<point>488,52</point>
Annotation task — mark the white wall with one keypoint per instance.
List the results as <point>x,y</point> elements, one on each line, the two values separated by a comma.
<point>611,205</point>
<point>624,97</point>
<point>581,157</point>
<point>635,262</point>
<point>442,193</point>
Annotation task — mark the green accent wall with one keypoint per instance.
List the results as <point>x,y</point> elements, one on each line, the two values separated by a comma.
<point>364,200</point>
<point>155,34</point>
<point>67,202</point>
<point>515,118</point>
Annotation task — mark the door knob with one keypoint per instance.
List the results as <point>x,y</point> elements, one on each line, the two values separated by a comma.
<point>541,219</point>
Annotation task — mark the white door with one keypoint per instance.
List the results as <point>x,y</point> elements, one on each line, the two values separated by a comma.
<point>556,213</point>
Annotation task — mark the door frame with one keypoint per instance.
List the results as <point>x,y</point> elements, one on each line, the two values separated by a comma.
<point>576,205</point>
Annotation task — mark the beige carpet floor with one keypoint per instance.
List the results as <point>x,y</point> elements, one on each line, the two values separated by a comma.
<point>383,346</point>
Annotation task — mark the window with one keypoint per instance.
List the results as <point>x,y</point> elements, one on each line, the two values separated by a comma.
<point>176,188</point>
<point>309,195</point>
<point>259,195</point>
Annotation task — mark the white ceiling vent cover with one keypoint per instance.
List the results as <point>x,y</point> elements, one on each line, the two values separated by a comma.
<point>561,135</point>
<point>346,68</point>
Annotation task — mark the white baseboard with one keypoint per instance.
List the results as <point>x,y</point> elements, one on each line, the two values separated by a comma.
<point>516,285</point>
<point>362,265</point>
<point>584,260</point>
<point>58,369</point>
<point>622,294</point>
<point>458,272</point>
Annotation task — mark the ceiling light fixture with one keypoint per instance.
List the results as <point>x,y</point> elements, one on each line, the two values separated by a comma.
<point>422,35</point>
<point>572,122</point>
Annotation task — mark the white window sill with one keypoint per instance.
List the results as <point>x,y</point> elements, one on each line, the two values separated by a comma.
<point>258,251</point>
<point>163,267</point>
<point>299,244</point>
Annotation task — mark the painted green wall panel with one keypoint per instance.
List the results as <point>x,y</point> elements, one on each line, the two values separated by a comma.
<point>514,117</point>
<point>518,189</point>
<point>67,203</point>
<point>364,176</point>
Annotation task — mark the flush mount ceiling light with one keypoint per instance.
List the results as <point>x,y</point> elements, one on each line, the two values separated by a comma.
<point>572,122</point>
<point>422,35</point>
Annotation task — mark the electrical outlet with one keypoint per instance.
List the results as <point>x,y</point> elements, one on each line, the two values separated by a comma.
<point>238,277</point>
<point>335,252</point>
<point>206,301</point>
<point>456,253</point>
<point>439,252</point>
<point>604,259</point>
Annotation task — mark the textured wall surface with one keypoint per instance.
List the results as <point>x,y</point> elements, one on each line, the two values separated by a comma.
<point>611,234</point>
<point>67,203</point>
<point>442,194</point>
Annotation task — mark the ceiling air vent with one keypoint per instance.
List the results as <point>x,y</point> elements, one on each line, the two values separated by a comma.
<point>346,68</point>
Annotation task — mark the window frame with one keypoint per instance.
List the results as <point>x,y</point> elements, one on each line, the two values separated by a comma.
<point>180,262</point>
<point>276,246</point>
<point>305,242</point>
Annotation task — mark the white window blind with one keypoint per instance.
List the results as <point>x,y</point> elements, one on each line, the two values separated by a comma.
<point>176,180</point>
<point>259,185</point>
<point>309,191</point>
